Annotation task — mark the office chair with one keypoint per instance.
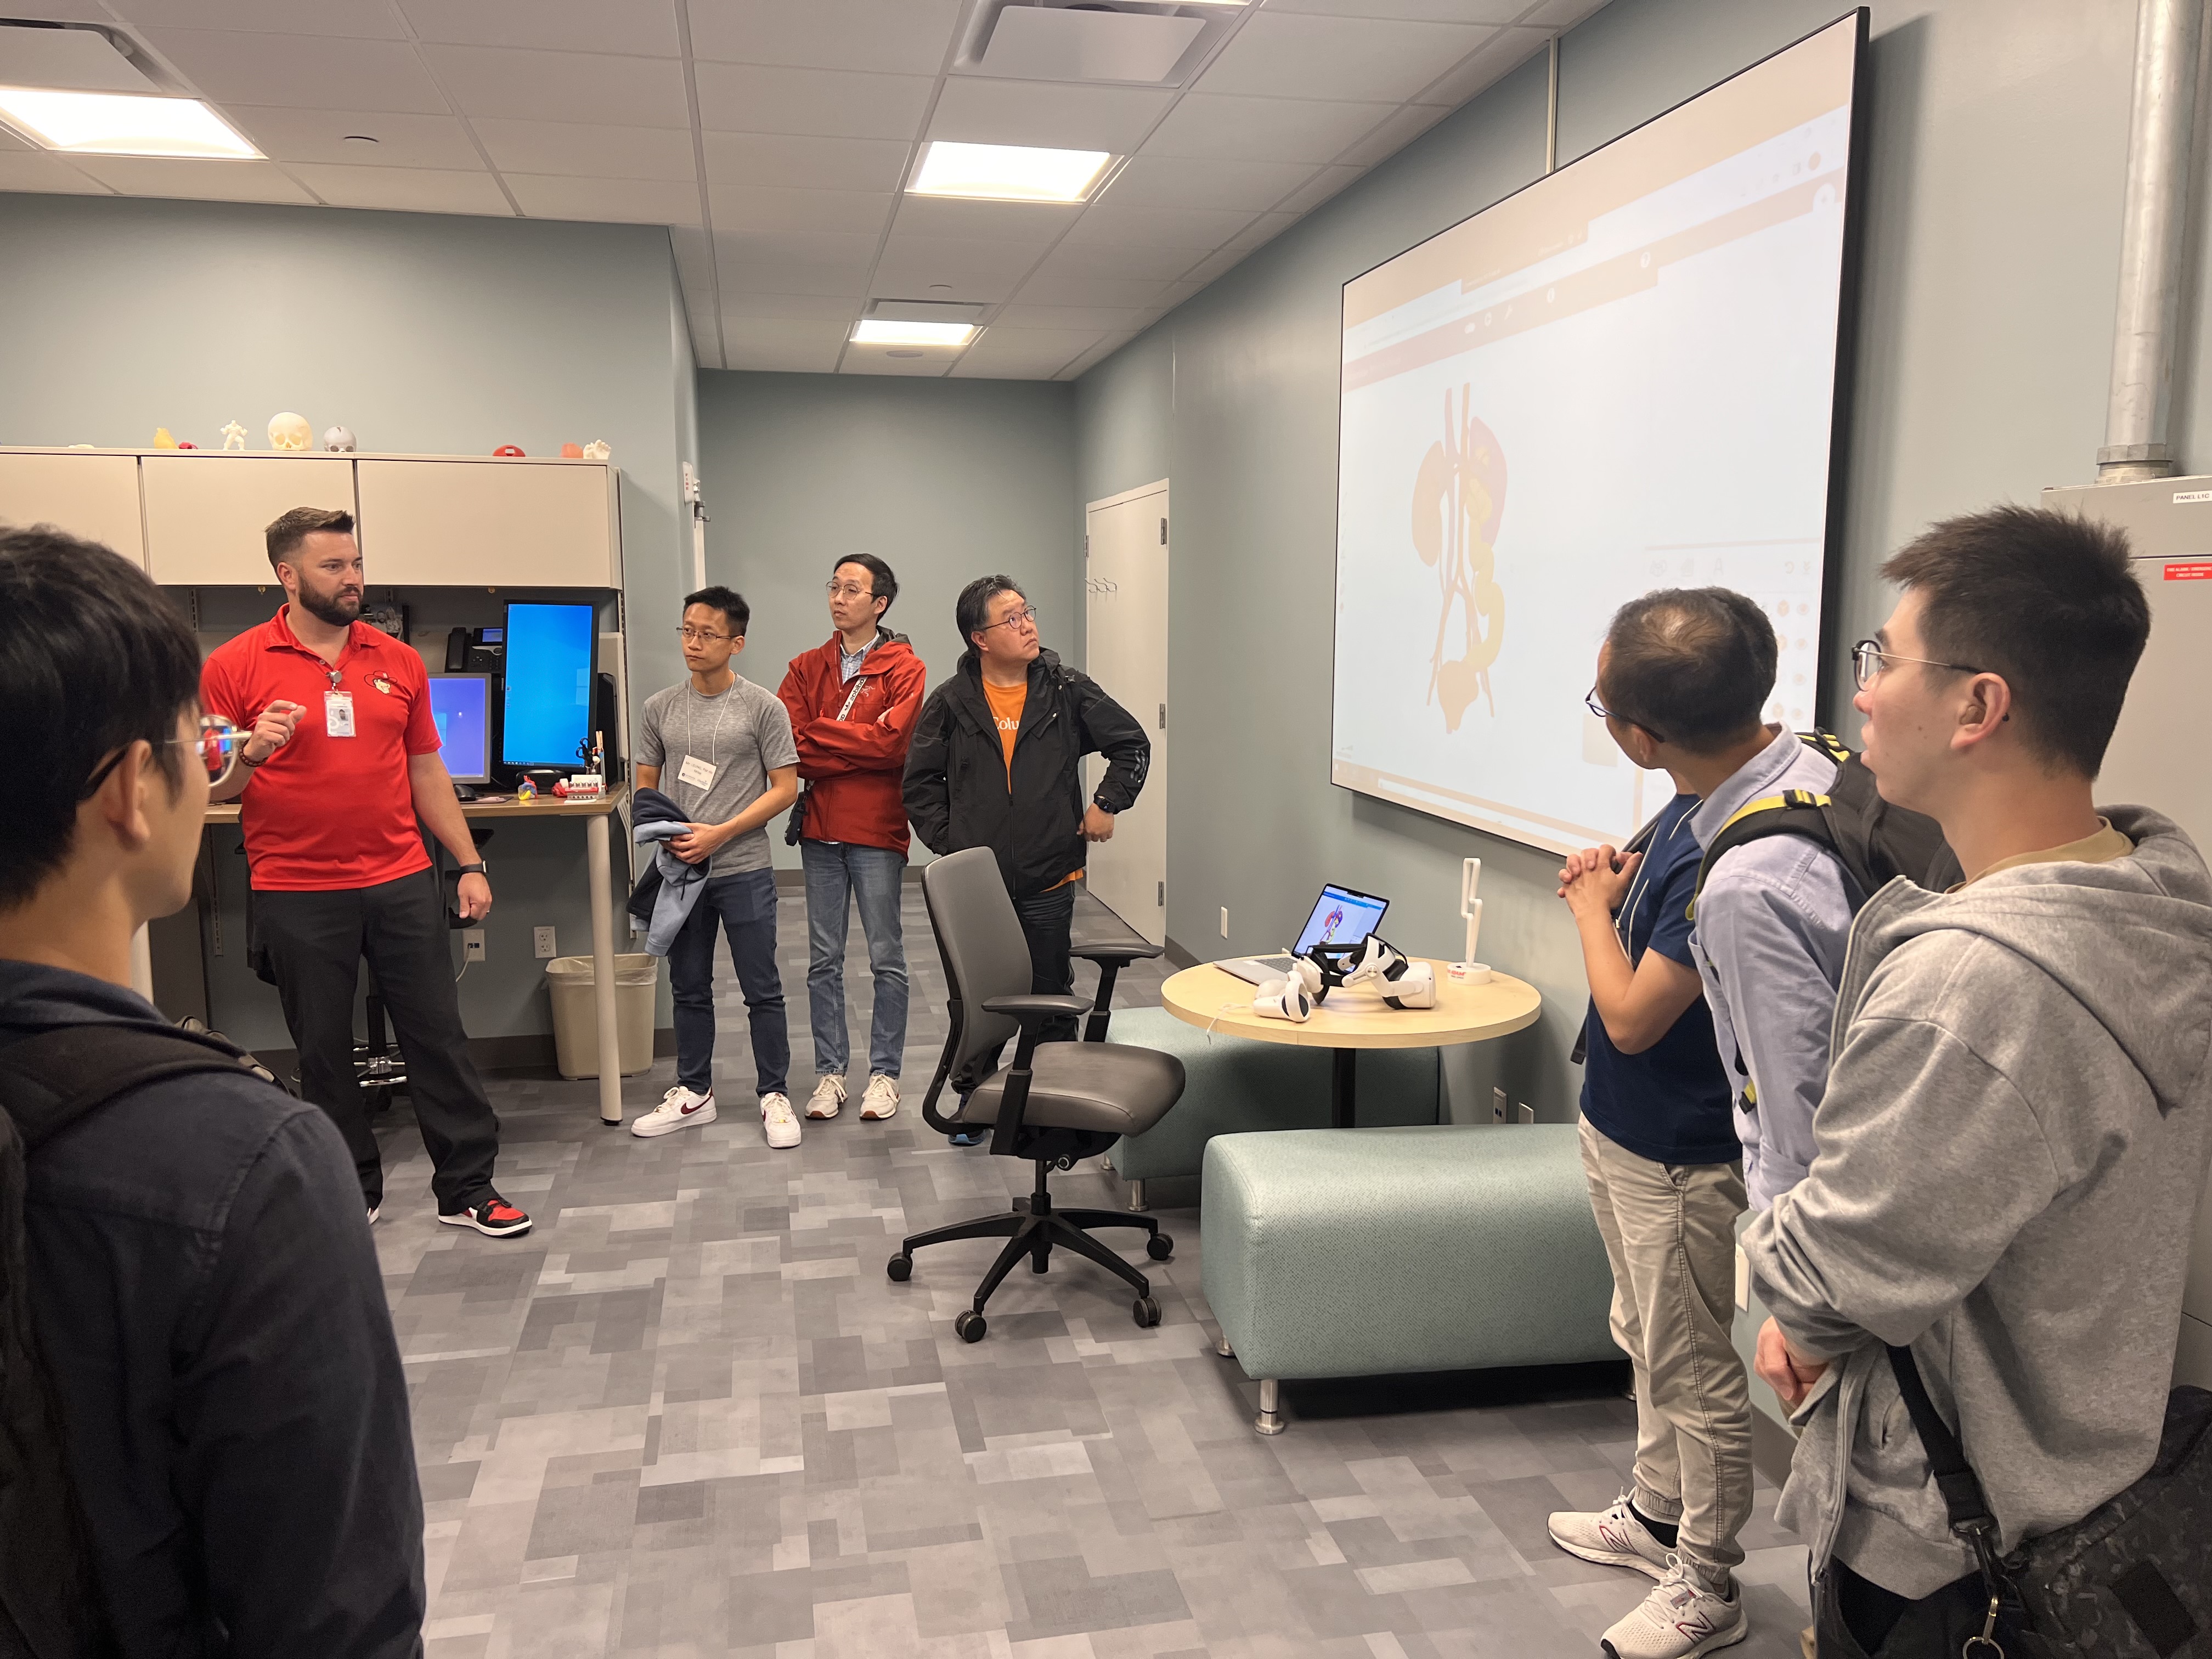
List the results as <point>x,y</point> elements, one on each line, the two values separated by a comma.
<point>1059,1101</point>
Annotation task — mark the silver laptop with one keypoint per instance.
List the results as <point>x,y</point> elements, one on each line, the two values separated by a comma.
<point>1342,915</point>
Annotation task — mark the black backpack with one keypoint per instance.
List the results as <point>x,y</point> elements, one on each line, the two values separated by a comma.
<point>1874,841</point>
<point>50,1604</point>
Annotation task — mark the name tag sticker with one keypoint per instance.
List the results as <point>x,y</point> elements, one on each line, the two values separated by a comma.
<point>337,713</point>
<point>696,772</point>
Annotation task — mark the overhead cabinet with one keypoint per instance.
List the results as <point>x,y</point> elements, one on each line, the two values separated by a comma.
<point>503,524</point>
<point>207,515</point>
<point>93,496</point>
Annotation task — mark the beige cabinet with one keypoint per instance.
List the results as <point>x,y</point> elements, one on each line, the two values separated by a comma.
<point>91,495</point>
<point>497,523</point>
<point>207,513</point>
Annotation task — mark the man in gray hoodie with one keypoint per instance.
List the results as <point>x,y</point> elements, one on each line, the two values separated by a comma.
<point>2018,1112</point>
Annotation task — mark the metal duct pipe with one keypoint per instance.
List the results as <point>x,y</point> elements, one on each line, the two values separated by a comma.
<point>2166,34</point>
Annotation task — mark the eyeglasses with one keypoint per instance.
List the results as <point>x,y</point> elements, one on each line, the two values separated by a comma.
<point>847,591</point>
<point>1591,702</point>
<point>702,636</point>
<point>1869,659</point>
<point>1028,613</point>
<point>217,740</point>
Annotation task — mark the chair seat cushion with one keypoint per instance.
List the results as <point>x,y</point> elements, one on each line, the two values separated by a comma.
<point>1105,1086</point>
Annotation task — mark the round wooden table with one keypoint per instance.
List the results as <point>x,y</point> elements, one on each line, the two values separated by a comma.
<point>1356,1018</point>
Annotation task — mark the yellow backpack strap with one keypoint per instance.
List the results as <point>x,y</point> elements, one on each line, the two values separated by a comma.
<point>1827,743</point>
<point>1720,842</point>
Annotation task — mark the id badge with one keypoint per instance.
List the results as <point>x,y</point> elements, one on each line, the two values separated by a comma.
<point>337,713</point>
<point>699,774</point>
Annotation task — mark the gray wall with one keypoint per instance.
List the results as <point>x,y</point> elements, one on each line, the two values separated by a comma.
<point>422,333</point>
<point>946,480</point>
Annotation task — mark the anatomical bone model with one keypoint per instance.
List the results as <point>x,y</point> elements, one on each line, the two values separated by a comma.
<point>290,431</point>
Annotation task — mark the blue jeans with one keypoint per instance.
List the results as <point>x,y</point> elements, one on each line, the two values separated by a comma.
<point>836,870</point>
<point>742,907</point>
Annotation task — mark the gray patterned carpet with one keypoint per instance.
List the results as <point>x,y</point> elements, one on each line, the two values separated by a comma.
<point>689,1415</point>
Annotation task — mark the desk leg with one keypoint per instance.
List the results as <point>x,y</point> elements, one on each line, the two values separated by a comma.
<point>603,969</point>
<point>1344,1087</point>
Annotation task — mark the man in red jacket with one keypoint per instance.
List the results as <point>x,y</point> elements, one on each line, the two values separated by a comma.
<point>854,703</point>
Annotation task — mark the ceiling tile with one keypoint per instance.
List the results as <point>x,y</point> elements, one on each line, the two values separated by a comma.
<point>879,359</point>
<point>1188,182</point>
<point>1560,13</point>
<point>766,207</point>
<point>1431,11</point>
<point>987,222</point>
<point>912,37</point>
<point>1286,55</point>
<point>367,20</point>
<point>319,134</point>
<point>822,103</point>
<point>1087,318</point>
<point>28,170</point>
<point>795,262</point>
<point>976,110</point>
<point>606,201</point>
<point>643,28</point>
<point>1397,130</point>
<point>62,11</point>
<point>1488,65</point>
<point>300,71</point>
<point>1265,228</point>
<point>1152,227</point>
<point>803,308</point>
<point>1318,189</point>
<point>767,158</point>
<point>198,181</point>
<point>566,85</point>
<point>1150,265</point>
<point>1262,129</point>
<point>404,189</point>
<point>912,266</point>
<point>590,152</point>
<point>1218,265</point>
<point>1120,293</point>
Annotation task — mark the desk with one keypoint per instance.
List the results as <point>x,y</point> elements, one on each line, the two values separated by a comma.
<point>1353,1019</point>
<point>596,815</point>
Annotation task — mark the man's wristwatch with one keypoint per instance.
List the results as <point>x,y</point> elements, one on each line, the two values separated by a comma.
<point>475,869</point>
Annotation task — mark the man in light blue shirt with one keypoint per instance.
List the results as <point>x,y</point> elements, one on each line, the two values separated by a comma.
<point>1775,914</point>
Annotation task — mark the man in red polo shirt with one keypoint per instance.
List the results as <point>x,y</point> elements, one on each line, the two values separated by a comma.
<point>342,761</point>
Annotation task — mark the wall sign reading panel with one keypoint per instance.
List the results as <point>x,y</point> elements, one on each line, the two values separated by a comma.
<point>1621,378</point>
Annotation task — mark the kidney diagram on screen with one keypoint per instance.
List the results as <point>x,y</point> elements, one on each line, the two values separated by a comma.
<point>1458,500</point>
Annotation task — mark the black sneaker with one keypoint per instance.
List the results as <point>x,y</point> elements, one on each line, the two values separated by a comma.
<point>491,1215</point>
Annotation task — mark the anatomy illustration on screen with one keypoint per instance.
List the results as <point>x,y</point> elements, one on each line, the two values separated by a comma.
<point>1458,500</point>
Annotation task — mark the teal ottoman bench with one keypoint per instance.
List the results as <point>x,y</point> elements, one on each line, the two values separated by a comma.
<point>1232,1084</point>
<point>1372,1252</point>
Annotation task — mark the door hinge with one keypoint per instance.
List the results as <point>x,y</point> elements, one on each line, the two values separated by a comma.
<point>1163,898</point>
<point>1163,717</point>
<point>1164,532</point>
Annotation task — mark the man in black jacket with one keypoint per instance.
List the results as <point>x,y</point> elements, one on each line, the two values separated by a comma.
<point>200,1284</point>
<point>997,761</point>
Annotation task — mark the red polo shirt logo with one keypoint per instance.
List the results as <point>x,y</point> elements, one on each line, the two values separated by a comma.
<point>323,812</point>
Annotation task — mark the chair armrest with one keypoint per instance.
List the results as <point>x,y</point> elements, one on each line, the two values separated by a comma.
<point>1030,1006</point>
<point>1120,955</point>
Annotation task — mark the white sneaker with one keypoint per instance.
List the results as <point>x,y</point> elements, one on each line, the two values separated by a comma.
<point>881,1100</point>
<point>827,1097</point>
<point>372,1215</point>
<point>679,1108</point>
<point>1680,1619</point>
<point>779,1122</point>
<point>1612,1538</point>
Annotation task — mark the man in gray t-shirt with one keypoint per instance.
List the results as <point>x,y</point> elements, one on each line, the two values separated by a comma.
<point>720,748</point>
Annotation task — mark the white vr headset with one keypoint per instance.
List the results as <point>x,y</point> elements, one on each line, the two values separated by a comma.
<point>1400,982</point>
<point>1293,998</point>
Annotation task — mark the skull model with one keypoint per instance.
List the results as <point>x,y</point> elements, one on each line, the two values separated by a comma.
<point>290,431</point>
<point>338,441</point>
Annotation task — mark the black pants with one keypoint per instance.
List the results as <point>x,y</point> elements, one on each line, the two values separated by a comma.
<point>1046,920</point>
<point>314,943</point>
<point>1858,1619</point>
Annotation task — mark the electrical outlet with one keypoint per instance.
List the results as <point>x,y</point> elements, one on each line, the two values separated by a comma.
<point>543,938</point>
<point>472,944</point>
<point>1497,1105</point>
<point>1527,1113</point>
<point>1225,921</point>
<point>1742,1281</point>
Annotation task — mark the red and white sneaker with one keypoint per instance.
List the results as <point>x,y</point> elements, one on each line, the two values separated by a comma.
<point>1612,1538</point>
<point>679,1108</point>
<point>490,1215</point>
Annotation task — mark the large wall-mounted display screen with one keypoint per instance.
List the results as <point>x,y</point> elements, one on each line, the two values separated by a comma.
<point>1622,377</point>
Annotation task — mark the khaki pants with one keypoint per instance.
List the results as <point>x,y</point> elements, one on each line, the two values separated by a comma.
<point>1670,1231</point>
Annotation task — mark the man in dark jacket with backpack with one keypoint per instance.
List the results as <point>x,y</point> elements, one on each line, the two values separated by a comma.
<point>231,1471</point>
<point>997,761</point>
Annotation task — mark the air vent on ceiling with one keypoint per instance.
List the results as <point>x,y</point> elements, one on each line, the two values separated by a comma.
<point>1148,43</point>
<point>68,57</point>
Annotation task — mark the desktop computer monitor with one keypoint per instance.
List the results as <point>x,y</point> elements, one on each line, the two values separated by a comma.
<point>547,719</point>
<point>462,706</point>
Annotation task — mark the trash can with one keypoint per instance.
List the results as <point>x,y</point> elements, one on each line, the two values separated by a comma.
<point>576,1013</point>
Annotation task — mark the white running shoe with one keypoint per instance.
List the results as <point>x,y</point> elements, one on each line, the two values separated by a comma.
<point>1612,1538</point>
<point>881,1100</point>
<point>679,1108</point>
<point>1680,1619</point>
<point>779,1122</point>
<point>827,1097</point>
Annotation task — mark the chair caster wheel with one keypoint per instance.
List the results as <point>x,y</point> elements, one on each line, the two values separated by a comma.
<point>1159,1247</point>
<point>900,1268</point>
<point>1147,1311</point>
<point>969,1327</point>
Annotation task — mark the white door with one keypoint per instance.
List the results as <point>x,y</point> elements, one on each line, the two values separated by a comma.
<point>1126,651</point>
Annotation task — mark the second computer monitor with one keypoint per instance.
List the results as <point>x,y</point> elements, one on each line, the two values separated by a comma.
<point>548,710</point>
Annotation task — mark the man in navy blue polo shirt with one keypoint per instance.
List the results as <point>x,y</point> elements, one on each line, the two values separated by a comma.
<point>1663,1159</point>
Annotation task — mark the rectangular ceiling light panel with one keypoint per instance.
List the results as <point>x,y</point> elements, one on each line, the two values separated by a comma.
<point>1007,172</point>
<point>884,331</point>
<point>112,124</point>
